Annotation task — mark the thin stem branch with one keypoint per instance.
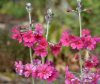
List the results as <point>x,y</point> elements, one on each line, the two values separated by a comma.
<point>80,24</point>
<point>47,32</point>
<point>30,50</point>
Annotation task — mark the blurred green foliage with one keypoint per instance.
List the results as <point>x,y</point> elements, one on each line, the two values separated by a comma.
<point>61,21</point>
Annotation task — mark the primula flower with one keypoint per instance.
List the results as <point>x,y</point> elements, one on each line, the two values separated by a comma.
<point>40,51</point>
<point>89,42</point>
<point>44,71</point>
<point>65,40</point>
<point>38,29</point>
<point>85,32</point>
<point>19,67</point>
<point>29,69</point>
<point>43,42</point>
<point>70,78</point>
<point>54,76</point>
<point>77,44</point>
<point>16,33</point>
<point>28,38</point>
<point>55,49</point>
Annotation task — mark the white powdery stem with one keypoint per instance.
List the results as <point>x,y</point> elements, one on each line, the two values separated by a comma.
<point>47,30</point>
<point>80,24</point>
<point>29,9</point>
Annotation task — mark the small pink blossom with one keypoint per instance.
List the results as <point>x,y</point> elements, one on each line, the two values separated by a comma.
<point>43,42</point>
<point>54,76</point>
<point>89,42</point>
<point>39,29</point>
<point>28,38</point>
<point>16,33</point>
<point>77,44</point>
<point>40,51</point>
<point>70,78</point>
<point>85,32</point>
<point>65,40</point>
<point>19,67</point>
<point>29,69</point>
<point>44,71</point>
<point>55,49</point>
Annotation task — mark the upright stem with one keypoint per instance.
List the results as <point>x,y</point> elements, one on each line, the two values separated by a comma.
<point>80,24</point>
<point>47,32</point>
<point>30,50</point>
<point>47,26</point>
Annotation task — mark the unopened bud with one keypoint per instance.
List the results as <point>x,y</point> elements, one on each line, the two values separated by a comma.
<point>28,7</point>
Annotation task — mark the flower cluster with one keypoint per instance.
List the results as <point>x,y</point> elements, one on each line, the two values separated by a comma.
<point>35,40</point>
<point>84,42</point>
<point>37,70</point>
<point>88,77</point>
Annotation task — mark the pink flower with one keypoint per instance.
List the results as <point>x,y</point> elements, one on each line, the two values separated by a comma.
<point>29,69</point>
<point>43,42</point>
<point>89,64</point>
<point>54,76</point>
<point>55,49</point>
<point>77,43</point>
<point>16,34</point>
<point>38,37</point>
<point>39,29</point>
<point>28,38</point>
<point>89,42</point>
<point>70,78</point>
<point>95,60</point>
<point>65,40</point>
<point>97,39</point>
<point>85,32</point>
<point>19,67</point>
<point>44,71</point>
<point>40,51</point>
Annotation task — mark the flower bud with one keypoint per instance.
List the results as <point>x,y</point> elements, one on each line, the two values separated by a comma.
<point>28,7</point>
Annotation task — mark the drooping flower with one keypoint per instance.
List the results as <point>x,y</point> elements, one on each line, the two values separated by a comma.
<point>16,34</point>
<point>55,49</point>
<point>40,51</point>
<point>28,38</point>
<point>19,67</point>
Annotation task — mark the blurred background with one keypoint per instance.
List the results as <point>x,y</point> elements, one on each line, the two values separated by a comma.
<point>13,12</point>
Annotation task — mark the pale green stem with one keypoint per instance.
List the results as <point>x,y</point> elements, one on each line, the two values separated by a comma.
<point>30,50</point>
<point>47,32</point>
<point>80,24</point>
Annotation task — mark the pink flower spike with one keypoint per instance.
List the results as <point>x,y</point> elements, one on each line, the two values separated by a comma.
<point>40,51</point>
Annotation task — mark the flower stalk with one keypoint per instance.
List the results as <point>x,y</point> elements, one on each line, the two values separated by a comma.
<point>29,10</point>
<point>80,26</point>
